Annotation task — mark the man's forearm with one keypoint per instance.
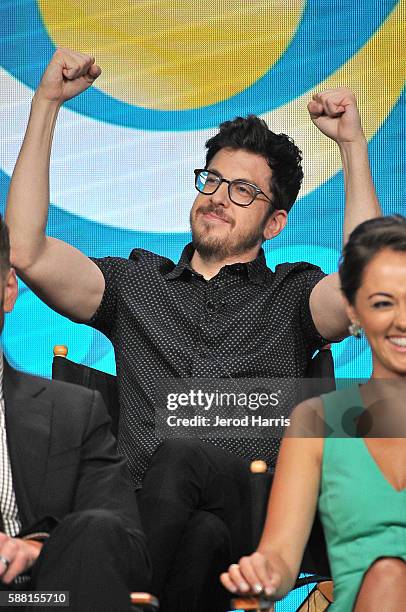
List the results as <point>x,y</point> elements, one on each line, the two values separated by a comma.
<point>28,196</point>
<point>361,201</point>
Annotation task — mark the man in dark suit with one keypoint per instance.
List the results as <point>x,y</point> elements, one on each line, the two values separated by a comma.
<point>68,517</point>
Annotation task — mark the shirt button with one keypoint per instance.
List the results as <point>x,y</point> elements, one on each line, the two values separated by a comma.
<point>210,306</point>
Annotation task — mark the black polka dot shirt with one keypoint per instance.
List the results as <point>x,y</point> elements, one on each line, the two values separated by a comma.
<point>166,321</point>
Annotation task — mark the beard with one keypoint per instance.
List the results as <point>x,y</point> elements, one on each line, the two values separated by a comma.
<point>213,247</point>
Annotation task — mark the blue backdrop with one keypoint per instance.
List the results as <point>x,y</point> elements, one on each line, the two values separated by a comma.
<point>122,167</point>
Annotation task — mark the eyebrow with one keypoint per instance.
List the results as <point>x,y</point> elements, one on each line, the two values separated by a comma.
<point>237,179</point>
<point>380,293</point>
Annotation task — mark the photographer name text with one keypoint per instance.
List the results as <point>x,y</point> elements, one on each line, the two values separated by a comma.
<point>245,421</point>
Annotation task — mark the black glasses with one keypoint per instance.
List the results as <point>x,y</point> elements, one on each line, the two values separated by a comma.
<point>239,192</point>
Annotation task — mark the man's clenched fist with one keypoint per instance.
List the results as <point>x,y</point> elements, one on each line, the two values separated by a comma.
<point>67,75</point>
<point>335,113</point>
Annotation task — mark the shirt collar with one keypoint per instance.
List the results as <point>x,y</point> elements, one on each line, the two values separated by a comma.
<point>256,270</point>
<point>183,263</point>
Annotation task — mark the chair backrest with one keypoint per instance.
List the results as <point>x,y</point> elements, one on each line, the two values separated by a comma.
<point>321,371</point>
<point>321,367</point>
<point>79,374</point>
<point>315,560</point>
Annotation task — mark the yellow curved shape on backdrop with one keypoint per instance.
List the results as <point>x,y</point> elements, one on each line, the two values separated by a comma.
<point>376,74</point>
<point>174,54</point>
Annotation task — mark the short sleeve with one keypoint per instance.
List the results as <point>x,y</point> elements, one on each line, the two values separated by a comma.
<point>114,270</point>
<point>308,279</point>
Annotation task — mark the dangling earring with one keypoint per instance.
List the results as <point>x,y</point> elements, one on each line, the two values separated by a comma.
<point>355,329</point>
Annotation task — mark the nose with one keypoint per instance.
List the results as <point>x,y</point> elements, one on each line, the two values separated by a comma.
<point>220,197</point>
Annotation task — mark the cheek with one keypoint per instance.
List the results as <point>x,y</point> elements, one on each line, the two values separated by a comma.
<point>197,202</point>
<point>376,326</point>
<point>249,224</point>
<point>243,219</point>
<point>193,209</point>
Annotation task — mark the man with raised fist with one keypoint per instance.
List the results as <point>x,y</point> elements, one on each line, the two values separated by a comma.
<point>219,312</point>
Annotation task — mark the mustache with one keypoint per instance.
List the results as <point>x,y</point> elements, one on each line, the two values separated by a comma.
<point>217,210</point>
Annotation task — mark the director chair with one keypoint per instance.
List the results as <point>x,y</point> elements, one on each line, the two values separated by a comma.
<point>321,369</point>
<point>315,562</point>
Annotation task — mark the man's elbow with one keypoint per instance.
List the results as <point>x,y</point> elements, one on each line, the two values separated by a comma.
<point>23,256</point>
<point>334,327</point>
<point>21,259</point>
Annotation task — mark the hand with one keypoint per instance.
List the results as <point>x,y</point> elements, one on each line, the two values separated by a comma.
<point>67,75</point>
<point>334,112</point>
<point>20,554</point>
<point>253,575</point>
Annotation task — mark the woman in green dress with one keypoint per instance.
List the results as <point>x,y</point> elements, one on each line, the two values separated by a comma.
<point>355,468</point>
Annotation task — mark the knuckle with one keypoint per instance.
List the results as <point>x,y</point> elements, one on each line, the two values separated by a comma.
<point>61,52</point>
<point>18,560</point>
<point>13,546</point>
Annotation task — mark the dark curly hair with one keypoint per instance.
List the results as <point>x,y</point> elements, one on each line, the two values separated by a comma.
<point>279,151</point>
<point>4,248</point>
<point>366,241</point>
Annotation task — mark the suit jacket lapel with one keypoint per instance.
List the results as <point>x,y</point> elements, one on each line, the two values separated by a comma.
<point>28,424</point>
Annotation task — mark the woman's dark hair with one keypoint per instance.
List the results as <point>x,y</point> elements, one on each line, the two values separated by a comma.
<point>4,248</point>
<point>368,239</point>
<point>279,151</point>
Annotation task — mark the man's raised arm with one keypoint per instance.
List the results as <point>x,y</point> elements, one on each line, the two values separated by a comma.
<point>62,276</point>
<point>335,113</point>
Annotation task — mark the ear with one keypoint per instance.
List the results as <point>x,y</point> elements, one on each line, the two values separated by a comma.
<point>351,311</point>
<point>10,291</point>
<point>275,224</point>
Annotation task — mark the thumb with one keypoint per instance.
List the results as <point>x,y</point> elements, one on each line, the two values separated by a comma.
<point>315,109</point>
<point>93,73</point>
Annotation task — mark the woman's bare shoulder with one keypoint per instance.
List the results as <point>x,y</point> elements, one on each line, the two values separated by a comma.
<point>307,419</point>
